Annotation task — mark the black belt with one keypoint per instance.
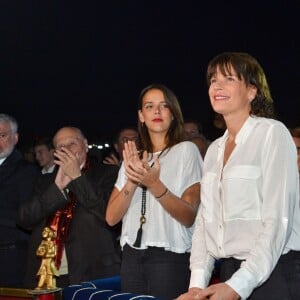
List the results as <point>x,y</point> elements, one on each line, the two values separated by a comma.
<point>291,255</point>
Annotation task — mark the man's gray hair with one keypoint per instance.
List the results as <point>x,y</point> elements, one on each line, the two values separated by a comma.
<point>11,120</point>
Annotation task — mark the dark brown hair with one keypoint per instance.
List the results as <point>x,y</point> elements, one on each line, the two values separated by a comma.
<point>175,133</point>
<point>248,69</point>
<point>295,132</point>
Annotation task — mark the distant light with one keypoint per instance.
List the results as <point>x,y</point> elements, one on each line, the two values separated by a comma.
<point>100,146</point>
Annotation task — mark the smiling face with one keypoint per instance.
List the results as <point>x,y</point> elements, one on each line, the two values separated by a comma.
<point>230,95</point>
<point>155,112</point>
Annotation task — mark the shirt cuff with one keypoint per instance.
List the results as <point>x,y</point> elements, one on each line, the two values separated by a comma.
<point>200,279</point>
<point>243,283</point>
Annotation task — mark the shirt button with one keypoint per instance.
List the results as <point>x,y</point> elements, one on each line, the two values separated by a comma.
<point>220,247</point>
<point>220,226</point>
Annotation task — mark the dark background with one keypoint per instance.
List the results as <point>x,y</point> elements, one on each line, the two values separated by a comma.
<point>83,63</point>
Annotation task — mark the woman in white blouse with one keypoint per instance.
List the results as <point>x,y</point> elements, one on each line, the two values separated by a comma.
<point>156,196</point>
<point>249,216</point>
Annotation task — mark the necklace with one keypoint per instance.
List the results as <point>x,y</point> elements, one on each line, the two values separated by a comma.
<point>143,219</point>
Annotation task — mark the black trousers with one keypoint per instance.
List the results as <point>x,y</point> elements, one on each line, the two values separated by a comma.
<point>154,271</point>
<point>13,259</point>
<point>283,283</point>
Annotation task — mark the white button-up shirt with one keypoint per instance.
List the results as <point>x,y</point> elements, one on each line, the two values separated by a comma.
<point>250,207</point>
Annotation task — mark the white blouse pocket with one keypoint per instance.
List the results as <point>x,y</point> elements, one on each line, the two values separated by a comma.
<point>208,188</point>
<point>240,189</point>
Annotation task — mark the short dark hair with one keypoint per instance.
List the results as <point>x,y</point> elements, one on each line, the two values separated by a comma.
<point>47,141</point>
<point>194,121</point>
<point>248,69</point>
<point>118,132</point>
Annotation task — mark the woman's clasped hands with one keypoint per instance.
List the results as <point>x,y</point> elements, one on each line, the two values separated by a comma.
<point>138,169</point>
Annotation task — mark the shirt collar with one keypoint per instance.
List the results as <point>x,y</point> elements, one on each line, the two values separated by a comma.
<point>49,170</point>
<point>243,133</point>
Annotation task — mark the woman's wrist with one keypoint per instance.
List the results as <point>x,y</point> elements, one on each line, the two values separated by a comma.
<point>159,190</point>
<point>165,192</point>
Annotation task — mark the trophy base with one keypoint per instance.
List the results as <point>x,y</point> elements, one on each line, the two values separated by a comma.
<point>44,291</point>
<point>46,294</point>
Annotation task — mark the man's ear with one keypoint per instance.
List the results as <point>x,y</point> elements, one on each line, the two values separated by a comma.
<point>15,138</point>
<point>86,145</point>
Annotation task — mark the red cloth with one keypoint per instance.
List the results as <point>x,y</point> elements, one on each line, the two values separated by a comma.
<point>60,223</point>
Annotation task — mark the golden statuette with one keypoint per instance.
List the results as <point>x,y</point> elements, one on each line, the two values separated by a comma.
<point>47,251</point>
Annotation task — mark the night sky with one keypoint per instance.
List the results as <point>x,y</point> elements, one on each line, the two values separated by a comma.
<point>84,63</point>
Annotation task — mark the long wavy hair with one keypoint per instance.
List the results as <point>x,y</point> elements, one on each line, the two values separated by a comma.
<point>175,132</point>
<point>248,69</point>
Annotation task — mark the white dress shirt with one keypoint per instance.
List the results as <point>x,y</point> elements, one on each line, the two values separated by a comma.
<point>49,170</point>
<point>250,207</point>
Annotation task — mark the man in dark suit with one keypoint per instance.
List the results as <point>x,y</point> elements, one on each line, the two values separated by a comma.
<point>17,177</point>
<point>72,201</point>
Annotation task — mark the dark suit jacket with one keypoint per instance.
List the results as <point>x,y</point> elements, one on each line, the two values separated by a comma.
<point>90,246</point>
<point>17,178</point>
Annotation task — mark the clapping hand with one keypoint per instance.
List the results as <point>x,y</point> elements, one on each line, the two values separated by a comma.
<point>69,167</point>
<point>111,159</point>
<point>138,169</point>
